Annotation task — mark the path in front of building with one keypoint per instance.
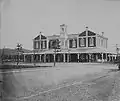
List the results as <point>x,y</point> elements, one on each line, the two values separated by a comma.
<point>29,82</point>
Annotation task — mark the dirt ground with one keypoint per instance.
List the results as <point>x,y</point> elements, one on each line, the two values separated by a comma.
<point>27,82</point>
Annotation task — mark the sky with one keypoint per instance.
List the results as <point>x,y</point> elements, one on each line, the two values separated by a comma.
<point>22,20</point>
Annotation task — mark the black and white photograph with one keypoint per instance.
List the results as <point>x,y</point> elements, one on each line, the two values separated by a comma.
<point>59,50</point>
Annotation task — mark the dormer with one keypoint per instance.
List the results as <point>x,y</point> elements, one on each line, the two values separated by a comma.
<point>40,42</point>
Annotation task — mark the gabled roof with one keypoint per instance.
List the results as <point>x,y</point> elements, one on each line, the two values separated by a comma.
<point>38,37</point>
<point>90,33</point>
<point>83,33</point>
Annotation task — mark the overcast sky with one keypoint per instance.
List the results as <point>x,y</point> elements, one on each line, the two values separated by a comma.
<point>22,20</point>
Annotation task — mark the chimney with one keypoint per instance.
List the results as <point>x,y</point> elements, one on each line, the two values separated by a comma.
<point>40,35</point>
<point>86,28</point>
<point>102,33</point>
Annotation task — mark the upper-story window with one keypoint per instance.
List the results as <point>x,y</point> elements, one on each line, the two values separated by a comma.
<point>82,42</point>
<point>91,41</point>
<point>36,45</point>
<point>98,41</point>
<point>43,44</point>
<point>73,43</point>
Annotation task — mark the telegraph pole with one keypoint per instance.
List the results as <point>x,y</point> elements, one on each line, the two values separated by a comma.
<point>1,95</point>
<point>117,50</point>
<point>2,56</point>
<point>118,59</point>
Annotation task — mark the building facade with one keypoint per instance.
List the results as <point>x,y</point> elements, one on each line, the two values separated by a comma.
<point>86,46</point>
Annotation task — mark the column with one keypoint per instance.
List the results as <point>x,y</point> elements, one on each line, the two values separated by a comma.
<point>96,57</point>
<point>86,36</point>
<point>54,57</point>
<point>40,44</point>
<point>115,56</point>
<point>32,58</point>
<point>112,57</point>
<point>89,57</point>
<point>109,58</point>
<point>77,42</point>
<point>47,44</point>
<point>64,57</point>
<point>24,58</point>
<point>68,43</point>
<point>40,57</point>
<point>44,58</point>
<point>78,56</point>
<point>106,57</point>
<point>102,57</point>
<point>68,57</point>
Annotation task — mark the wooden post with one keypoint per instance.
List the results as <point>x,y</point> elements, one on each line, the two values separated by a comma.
<point>64,57</point>
<point>102,57</point>
<point>77,42</point>
<point>106,56</point>
<point>44,58</point>
<point>24,58</point>
<point>89,57</point>
<point>78,56</point>
<point>68,57</point>
<point>40,57</point>
<point>54,56</point>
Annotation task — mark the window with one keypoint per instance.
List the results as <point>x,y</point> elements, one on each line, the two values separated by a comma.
<point>37,45</point>
<point>91,40</point>
<point>73,43</point>
<point>70,43</point>
<point>82,42</point>
<point>50,44</point>
<point>43,44</point>
<point>98,41</point>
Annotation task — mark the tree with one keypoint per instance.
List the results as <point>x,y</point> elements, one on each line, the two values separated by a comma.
<point>2,56</point>
<point>55,46</point>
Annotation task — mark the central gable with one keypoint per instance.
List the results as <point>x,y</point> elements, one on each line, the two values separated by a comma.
<point>43,37</point>
<point>83,33</point>
<point>38,37</point>
<point>90,33</point>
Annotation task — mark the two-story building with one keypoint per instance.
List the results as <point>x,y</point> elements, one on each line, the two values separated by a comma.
<point>86,46</point>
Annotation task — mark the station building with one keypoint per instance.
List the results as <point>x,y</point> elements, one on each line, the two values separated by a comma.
<point>86,46</point>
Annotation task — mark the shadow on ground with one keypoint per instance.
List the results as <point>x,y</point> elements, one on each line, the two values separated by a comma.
<point>10,86</point>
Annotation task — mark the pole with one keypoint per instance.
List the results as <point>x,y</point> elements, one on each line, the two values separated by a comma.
<point>2,58</point>
<point>117,50</point>
<point>54,57</point>
<point>34,57</point>
<point>18,58</point>
<point>1,96</point>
